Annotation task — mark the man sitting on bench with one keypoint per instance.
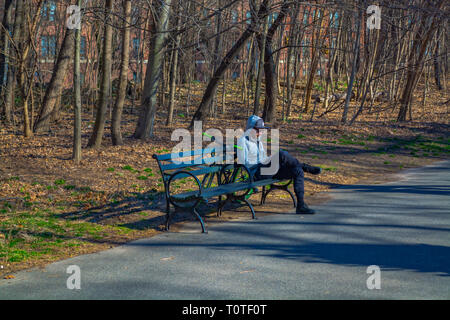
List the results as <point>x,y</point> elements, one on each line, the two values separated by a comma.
<point>251,153</point>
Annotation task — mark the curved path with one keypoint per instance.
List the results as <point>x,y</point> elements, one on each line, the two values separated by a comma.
<point>402,227</point>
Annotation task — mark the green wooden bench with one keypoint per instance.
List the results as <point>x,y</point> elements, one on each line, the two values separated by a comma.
<point>234,181</point>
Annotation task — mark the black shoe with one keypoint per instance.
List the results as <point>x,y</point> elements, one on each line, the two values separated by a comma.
<point>311,169</point>
<point>304,209</point>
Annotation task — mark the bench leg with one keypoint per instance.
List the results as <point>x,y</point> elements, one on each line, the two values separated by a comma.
<point>263,195</point>
<point>293,197</point>
<point>275,187</point>
<point>194,211</point>
<point>221,205</point>
<point>251,207</point>
<point>234,198</point>
<point>168,217</point>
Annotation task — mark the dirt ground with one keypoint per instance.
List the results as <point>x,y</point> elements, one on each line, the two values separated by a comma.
<point>51,209</point>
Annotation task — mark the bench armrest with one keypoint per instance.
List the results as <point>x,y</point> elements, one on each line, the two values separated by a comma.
<point>229,177</point>
<point>248,171</point>
<point>200,187</point>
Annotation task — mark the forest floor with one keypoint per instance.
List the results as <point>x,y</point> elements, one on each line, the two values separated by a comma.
<point>51,209</point>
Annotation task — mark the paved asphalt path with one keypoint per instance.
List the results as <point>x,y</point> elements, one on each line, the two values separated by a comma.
<point>402,227</point>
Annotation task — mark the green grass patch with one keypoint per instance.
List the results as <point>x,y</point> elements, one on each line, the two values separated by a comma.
<point>164,150</point>
<point>327,168</point>
<point>60,182</point>
<point>28,235</point>
<point>346,141</point>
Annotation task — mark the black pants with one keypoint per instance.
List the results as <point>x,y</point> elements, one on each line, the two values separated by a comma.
<point>290,168</point>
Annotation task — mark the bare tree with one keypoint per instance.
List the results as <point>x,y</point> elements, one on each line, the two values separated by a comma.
<point>153,74</point>
<point>427,26</point>
<point>358,19</point>
<point>14,58</point>
<point>53,93</point>
<point>123,81</point>
<point>76,155</point>
<point>95,140</point>
<point>208,95</point>
<point>4,52</point>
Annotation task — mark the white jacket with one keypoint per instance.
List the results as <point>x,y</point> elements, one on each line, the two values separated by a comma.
<point>251,149</point>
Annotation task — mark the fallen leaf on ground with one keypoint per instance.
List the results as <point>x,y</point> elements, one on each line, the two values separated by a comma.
<point>247,271</point>
<point>167,259</point>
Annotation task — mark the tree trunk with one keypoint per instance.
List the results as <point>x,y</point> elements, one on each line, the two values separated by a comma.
<point>173,73</point>
<point>293,33</point>
<point>366,83</point>
<point>416,64</point>
<point>123,81</point>
<point>437,69</point>
<point>216,56</point>
<point>24,45</point>
<point>96,139</point>
<point>354,67</point>
<point>4,52</point>
<point>148,105</point>
<point>56,85</point>
<point>270,67</point>
<point>270,84</point>
<point>14,54</point>
<point>173,82</point>
<point>200,114</point>
<point>315,56</point>
<point>262,51</point>
<point>76,155</point>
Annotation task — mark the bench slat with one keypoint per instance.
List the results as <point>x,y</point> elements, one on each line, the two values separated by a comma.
<point>225,189</point>
<point>204,170</point>
<point>172,156</point>
<point>191,163</point>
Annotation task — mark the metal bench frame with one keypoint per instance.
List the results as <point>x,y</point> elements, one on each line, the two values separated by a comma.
<point>209,165</point>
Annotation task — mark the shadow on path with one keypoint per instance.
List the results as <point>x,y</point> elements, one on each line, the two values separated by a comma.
<point>420,189</point>
<point>412,257</point>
